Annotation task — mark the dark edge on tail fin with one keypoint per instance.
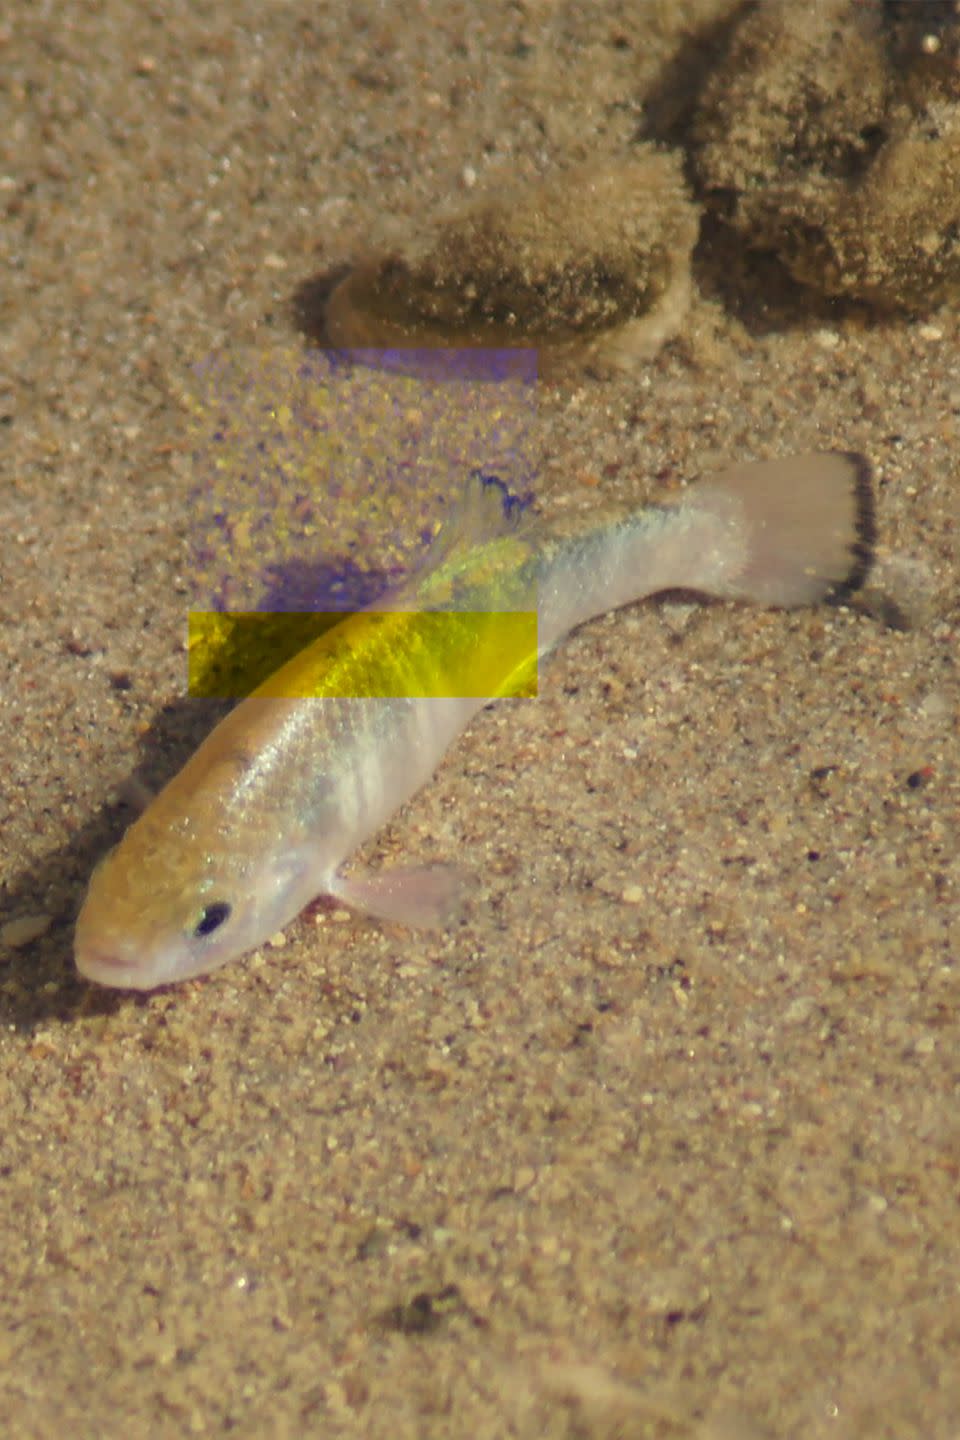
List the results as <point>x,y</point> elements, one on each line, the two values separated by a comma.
<point>863,548</point>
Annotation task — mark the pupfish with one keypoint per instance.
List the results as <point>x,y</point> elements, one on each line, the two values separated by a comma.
<point>264,816</point>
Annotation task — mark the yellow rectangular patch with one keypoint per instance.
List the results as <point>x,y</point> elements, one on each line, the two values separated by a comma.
<point>364,654</point>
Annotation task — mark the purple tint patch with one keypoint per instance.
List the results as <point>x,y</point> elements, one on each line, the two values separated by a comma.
<point>321,483</point>
<point>443,365</point>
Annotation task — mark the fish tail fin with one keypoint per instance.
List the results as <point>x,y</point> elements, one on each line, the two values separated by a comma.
<point>807,526</point>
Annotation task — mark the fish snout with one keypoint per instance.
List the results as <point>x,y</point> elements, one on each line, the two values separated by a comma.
<point>108,967</point>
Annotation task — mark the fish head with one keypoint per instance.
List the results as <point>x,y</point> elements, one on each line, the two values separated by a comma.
<point>166,905</point>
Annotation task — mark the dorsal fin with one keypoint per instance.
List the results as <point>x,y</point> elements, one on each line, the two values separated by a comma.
<point>484,510</point>
<point>480,545</point>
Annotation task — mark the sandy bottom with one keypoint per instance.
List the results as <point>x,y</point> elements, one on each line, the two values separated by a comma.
<point>664,1140</point>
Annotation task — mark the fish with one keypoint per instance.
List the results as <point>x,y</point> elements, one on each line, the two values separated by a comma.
<point>267,812</point>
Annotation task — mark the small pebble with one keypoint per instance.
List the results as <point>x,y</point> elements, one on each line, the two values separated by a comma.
<point>20,932</point>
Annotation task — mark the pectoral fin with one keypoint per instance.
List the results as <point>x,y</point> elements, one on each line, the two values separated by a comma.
<point>425,897</point>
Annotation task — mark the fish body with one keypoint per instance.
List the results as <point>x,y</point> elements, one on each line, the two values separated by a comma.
<point>261,819</point>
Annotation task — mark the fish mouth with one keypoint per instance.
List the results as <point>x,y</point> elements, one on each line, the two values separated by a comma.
<point>106,967</point>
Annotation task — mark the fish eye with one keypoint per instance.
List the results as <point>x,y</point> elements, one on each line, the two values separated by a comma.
<point>211,918</point>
